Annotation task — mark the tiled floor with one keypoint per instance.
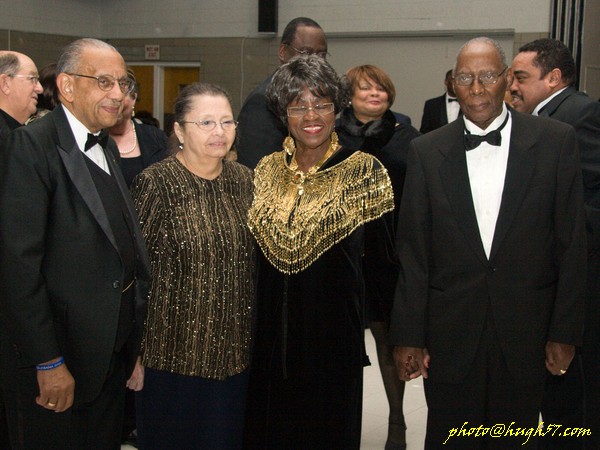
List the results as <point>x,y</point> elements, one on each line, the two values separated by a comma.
<point>375,408</point>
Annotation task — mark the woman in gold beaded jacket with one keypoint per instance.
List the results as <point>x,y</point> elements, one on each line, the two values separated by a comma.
<point>315,203</point>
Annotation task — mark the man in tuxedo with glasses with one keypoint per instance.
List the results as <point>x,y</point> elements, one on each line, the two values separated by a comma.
<point>491,240</point>
<point>74,267</point>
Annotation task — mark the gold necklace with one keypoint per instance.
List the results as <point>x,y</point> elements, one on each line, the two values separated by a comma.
<point>300,176</point>
<point>126,152</point>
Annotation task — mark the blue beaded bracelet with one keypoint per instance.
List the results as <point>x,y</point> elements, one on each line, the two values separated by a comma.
<point>50,366</point>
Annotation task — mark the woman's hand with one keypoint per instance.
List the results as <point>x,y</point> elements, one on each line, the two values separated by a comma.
<point>136,381</point>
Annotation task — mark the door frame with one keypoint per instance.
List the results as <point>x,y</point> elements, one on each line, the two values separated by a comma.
<point>158,102</point>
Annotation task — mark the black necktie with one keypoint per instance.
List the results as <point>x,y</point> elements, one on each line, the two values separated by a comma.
<point>92,140</point>
<point>493,137</point>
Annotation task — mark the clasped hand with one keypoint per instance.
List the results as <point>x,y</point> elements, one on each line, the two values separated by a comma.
<point>411,362</point>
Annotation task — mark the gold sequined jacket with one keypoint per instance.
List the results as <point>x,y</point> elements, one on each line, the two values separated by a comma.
<point>203,261</point>
<point>296,218</point>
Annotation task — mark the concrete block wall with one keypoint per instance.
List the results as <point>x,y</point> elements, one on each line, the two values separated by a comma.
<point>223,37</point>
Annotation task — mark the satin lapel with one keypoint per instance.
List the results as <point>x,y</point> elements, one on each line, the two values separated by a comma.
<point>455,179</point>
<point>77,169</point>
<point>552,106</point>
<point>443,112</point>
<point>519,170</point>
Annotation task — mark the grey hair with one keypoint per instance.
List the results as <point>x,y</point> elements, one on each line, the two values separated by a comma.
<point>70,57</point>
<point>484,40</point>
<point>305,72</point>
<point>9,63</point>
<point>183,104</point>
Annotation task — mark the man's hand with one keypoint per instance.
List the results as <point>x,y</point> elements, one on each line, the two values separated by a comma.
<point>411,362</point>
<point>136,381</point>
<point>57,388</point>
<point>559,357</point>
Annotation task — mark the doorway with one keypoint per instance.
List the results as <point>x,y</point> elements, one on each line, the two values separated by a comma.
<point>159,86</point>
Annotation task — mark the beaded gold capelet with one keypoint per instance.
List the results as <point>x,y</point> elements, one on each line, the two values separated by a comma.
<point>294,225</point>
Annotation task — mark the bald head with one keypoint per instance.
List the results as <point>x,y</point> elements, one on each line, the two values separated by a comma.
<point>480,101</point>
<point>19,85</point>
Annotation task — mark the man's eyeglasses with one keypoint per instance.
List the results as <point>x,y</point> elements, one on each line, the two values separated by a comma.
<point>106,82</point>
<point>323,55</point>
<point>209,125</point>
<point>467,79</point>
<point>321,109</point>
<point>33,78</point>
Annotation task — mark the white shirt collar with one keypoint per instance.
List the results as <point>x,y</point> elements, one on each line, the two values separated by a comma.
<point>79,130</point>
<point>536,111</point>
<point>474,129</point>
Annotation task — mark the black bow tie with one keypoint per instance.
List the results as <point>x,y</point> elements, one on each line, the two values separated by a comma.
<point>493,137</point>
<point>92,140</point>
<point>452,99</point>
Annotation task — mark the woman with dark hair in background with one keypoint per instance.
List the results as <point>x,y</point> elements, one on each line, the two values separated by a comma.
<point>196,346</point>
<point>368,124</point>
<point>316,204</point>
<point>47,99</point>
<point>140,145</point>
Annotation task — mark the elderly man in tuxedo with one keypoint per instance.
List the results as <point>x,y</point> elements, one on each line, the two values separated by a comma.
<point>544,77</point>
<point>74,267</point>
<point>491,241</point>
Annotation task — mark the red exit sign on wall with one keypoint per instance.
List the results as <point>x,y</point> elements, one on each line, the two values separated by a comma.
<point>152,52</point>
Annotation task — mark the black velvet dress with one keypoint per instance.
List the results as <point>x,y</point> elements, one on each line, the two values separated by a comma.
<point>388,141</point>
<point>306,375</point>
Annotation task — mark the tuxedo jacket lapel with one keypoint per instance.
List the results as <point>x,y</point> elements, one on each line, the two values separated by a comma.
<point>455,179</point>
<point>519,169</point>
<point>549,109</point>
<point>443,112</point>
<point>115,170</point>
<point>77,169</point>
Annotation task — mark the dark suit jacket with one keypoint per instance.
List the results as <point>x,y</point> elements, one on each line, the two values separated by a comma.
<point>61,273</point>
<point>434,114</point>
<point>583,113</point>
<point>533,282</point>
<point>260,132</point>
<point>154,144</point>
<point>5,126</point>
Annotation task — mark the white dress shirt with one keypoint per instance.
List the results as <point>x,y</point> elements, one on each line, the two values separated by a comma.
<point>536,111</point>
<point>486,165</point>
<point>452,108</point>
<point>80,131</point>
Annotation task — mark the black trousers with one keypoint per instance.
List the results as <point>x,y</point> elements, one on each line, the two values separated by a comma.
<point>463,415</point>
<point>573,400</point>
<point>4,440</point>
<point>92,426</point>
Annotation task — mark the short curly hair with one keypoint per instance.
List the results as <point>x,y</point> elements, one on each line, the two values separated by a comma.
<point>305,72</point>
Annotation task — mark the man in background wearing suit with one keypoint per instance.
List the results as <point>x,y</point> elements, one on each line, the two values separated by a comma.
<point>441,110</point>
<point>491,240</point>
<point>260,131</point>
<point>19,87</point>
<point>74,267</point>
<point>544,76</point>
